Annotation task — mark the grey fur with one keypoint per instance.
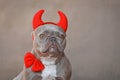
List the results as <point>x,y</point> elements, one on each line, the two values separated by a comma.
<point>48,46</point>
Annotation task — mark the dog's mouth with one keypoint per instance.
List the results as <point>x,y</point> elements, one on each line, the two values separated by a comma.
<point>52,48</point>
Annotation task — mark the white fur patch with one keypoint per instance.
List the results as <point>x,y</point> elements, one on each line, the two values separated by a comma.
<point>50,69</point>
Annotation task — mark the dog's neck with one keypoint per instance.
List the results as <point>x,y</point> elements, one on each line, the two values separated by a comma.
<point>47,60</point>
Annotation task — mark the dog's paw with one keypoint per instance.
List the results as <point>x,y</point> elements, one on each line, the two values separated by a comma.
<point>58,78</point>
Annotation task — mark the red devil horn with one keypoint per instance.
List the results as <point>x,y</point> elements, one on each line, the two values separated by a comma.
<point>63,23</point>
<point>37,21</point>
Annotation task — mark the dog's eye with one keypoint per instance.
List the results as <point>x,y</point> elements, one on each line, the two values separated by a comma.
<point>62,36</point>
<point>41,36</point>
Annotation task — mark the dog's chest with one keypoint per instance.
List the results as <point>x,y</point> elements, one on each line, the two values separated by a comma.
<point>50,69</point>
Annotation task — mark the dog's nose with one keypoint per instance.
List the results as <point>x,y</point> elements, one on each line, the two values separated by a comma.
<point>52,39</point>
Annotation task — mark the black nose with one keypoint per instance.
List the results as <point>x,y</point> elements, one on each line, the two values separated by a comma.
<point>52,39</point>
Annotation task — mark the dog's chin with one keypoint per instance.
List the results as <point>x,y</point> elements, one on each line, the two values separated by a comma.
<point>53,50</point>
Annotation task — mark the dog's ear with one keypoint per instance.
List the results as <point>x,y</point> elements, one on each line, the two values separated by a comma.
<point>33,35</point>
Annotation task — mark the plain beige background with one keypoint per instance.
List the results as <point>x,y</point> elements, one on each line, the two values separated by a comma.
<point>93,36</point>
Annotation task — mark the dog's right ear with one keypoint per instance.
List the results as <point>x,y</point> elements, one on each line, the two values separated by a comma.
<point>33,35</point>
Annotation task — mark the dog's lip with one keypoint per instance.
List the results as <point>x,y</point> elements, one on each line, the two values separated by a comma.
<point>53,46</point>
<point>49,47</point>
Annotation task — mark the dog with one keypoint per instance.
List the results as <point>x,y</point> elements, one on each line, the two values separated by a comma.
<point>47,60</point>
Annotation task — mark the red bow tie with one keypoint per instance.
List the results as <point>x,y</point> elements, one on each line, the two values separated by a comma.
<point>31,60</point>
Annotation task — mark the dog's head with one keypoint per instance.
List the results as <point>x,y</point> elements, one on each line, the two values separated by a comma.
<point>49,38</point>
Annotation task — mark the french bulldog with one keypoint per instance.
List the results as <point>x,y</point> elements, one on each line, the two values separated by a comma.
<point>49,60</point>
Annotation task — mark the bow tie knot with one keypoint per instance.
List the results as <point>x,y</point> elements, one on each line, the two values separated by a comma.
<point>31,60</point>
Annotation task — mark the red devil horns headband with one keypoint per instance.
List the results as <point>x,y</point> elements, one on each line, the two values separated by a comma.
<point>37,21</point>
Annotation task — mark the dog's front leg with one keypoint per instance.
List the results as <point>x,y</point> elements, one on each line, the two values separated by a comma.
<point>37,77</point>
<point>19,77</point>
